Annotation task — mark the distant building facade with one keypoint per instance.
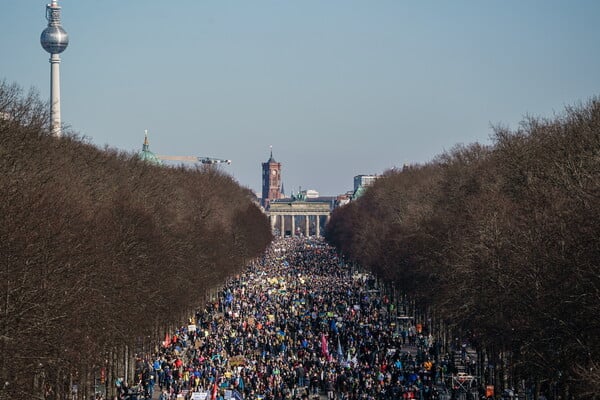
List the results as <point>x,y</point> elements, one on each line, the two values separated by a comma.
<point>303,214</point>
<point>364,181</point>
<point>299,216</point>
<point>309,194</point>
<point>343,199</point>
<point>361,183</point>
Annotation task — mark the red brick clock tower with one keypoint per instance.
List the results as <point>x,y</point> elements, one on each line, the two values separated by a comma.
<point>271,181</point>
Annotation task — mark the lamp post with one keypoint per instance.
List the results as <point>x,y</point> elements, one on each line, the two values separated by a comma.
<point>54,40</point>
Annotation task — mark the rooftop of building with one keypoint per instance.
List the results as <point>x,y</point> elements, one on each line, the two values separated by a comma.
<point>146,154</point>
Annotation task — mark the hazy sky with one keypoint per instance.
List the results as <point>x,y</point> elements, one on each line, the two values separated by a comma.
<point>338,88</point>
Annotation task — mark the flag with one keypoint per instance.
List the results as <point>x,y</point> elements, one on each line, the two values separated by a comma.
<point>324,347</point>
<point>215,388</point>
<point>333,326</point>
<point>340,352</point>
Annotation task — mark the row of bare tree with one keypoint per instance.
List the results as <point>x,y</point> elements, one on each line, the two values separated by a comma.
<point>101,252</point>
<point>502,241</point>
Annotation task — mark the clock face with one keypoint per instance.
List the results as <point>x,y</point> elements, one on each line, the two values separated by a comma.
<point>273,172</point>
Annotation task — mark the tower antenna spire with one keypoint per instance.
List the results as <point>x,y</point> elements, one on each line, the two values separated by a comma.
<point>54,40</point>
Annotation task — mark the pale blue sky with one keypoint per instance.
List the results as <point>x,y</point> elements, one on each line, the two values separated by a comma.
<point>339,88</point>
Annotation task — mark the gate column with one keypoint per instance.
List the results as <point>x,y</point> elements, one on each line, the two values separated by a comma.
<point>318,224</point>
<point>293,217</point>
<point>306,225</point>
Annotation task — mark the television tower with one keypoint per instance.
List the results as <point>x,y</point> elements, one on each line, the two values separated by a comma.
<point>54,40</point>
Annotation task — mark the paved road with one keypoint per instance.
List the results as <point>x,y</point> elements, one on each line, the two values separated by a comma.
<point>299,293</point>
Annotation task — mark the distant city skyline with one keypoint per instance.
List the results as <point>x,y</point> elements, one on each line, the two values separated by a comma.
<point>338,88</point>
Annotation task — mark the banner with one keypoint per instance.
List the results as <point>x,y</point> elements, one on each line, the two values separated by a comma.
<point>199,395</point>
<point>236,361</point>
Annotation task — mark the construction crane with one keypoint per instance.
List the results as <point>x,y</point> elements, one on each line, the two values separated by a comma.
<point>146,154</point>
<point>194,159</point>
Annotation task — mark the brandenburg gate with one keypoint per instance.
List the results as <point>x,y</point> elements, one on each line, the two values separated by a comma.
<point>308,214</point>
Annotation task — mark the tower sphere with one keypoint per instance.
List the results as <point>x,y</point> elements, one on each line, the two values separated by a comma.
<point>54,39</point>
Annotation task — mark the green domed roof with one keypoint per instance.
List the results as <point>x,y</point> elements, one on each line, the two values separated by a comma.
<point>147,155</point>
<point>359,192</point>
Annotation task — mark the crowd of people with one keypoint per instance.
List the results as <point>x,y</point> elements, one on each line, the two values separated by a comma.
<point>296,324</point>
